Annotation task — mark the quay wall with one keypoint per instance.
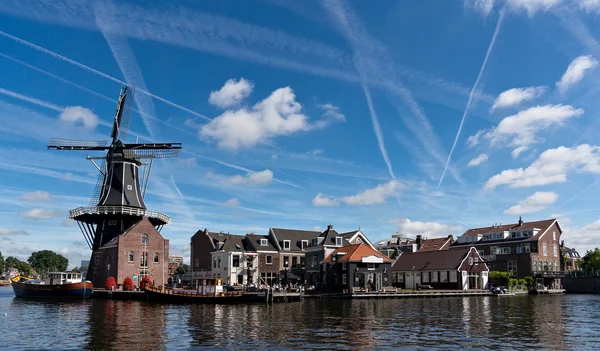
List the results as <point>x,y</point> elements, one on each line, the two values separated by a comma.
<point>581,285</point>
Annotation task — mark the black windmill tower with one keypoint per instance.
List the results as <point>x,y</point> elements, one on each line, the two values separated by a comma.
<point>118,199</point>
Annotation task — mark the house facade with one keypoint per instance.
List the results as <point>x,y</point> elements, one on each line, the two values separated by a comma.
<point>318,249</point>
<point>291,245</point>
<point>392,248</point>
<point>267,261</point>
<point>570,258</point>
<point>460,269</point>
<point>356,267</point>
<point>140,251</point>
<point>522,248</point>
<point>234,260</point>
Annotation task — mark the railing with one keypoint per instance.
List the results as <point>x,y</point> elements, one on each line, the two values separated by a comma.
<point>98,210</point>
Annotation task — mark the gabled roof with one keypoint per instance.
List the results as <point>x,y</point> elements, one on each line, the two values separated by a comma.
<point>355,253</point>
<point>254,242</point>
<point>543,225</point>
<point>294,236</point>
<point>430,260</point>
<point>114,241</point>
<point>235,243</point>
<point>329,236</point>
<point>436,244</point>
<point>349,235</point>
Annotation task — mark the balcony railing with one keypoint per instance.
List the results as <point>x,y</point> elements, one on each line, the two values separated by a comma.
<point>126,210</point>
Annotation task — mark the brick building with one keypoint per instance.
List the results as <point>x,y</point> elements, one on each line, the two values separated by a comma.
<point>523,248</point>
<point>140,251</point>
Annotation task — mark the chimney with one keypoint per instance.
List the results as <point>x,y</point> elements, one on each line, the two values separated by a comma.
<point>205,231</point>
<point>520,221</point>
<point>419,237</point>
<point>329,227</point>
<point>562,244</point>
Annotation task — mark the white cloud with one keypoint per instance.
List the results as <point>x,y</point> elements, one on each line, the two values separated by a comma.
<point>575,72</point>
<point>68,223</point>
<point>473,140</point>
<point>377,195</point>
<point>427,229</point>
<point>79,116</point>
<point>232,93</point>
<point>534,203</point>
<point>39,214</point>
<point>532,6</point>
<point>515,96</point>
<point>278,114</point>
<point>317,228</point>
<point>321,201</point>
<point>9,232</point>
<point>37,195</point>
<point>582,238</point>
<point>483,6</point>
<point>477,160</point>
<point>590,5</point>
<point>552,166</point>
<point>252,179</point>
<point>520,129</point>
<point>232,202</point>
<point>330,115</point>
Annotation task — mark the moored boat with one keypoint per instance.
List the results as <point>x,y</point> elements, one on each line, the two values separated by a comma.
<point>58,285</point>
<point>208,290</point>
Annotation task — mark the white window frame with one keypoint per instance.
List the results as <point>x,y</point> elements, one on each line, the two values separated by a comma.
<point>471,261</point>
<point>554,236</point>
<point>264,242</point>
<point>267,259</point>
<point>371,266</point>
<point>131,256</point>
<point>512,267</point>
<point>545,249</point>
<point>145,236</point>
<point>288,245</point>
<point>304,244</point>
<point>339,241</point>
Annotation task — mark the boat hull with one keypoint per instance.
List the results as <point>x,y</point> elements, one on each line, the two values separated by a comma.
<point>80,290</point>
<point>170,296</point>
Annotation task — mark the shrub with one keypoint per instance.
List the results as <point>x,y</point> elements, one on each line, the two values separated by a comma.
<point>144,282</point>
<point>513,282</point>
<point>522,282</point>
<point>128,284</point>
<point>529,281</point>
<point>110,283</point>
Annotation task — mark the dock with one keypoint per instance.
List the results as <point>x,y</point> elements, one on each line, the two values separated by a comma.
<point>400,294</point>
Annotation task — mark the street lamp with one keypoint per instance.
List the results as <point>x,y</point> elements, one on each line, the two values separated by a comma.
<point>414,278</point>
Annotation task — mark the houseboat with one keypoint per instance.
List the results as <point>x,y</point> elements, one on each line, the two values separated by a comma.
<point>57,285</point>
<point>207,290</point>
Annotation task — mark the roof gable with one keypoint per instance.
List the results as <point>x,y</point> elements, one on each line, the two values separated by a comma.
<point>356,253</point>
<point>431,260</point>
<point>294,236</point>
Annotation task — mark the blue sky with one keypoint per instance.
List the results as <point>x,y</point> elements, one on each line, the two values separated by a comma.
<point>423,117</point>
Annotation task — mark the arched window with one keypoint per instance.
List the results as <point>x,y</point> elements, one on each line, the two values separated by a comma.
<point>144,239</point>
<point>130,259</point>
<point>144,259</point>
<point>156,257</point>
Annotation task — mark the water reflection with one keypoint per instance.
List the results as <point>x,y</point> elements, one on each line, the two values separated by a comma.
<point>507,323</point>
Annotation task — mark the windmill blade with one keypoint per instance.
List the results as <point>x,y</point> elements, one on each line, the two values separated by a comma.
<point>71,144</point>
<point>99,184</point>
<point>126,114</point>
<point>151,153</point>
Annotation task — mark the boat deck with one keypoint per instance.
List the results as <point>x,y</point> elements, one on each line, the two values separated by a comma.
<point>400,294</point>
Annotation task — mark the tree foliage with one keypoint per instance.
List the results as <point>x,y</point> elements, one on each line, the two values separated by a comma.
<point>110,283</point>
<point>127,284</point>
<point>75,269</point>
<point>22,267</point>
<point>182,269</point>
<point>1,263</point>
<point>498,277</point>
<point>591,260</point>
<point>48,261</point>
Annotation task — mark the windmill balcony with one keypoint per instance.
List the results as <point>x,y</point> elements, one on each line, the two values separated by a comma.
<point>122,210</point>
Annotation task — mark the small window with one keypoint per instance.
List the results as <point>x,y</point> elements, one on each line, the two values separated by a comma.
<point>338,241</point>
<point>286,244</point>
<point>144,259</point>
<point>269,259</point>
<point>235,261</point>
<point>344,279</point>
<point>214,263</point>
<point>304,244</point>
<point>156,257</point>
<point>371,266</point>
<point>470,261</point>
<point>286,261</point>
<point>144,239</point>
<point>129,187</point>
<point>130,258</point>
<point>553,235</point>
<point>263,242</point>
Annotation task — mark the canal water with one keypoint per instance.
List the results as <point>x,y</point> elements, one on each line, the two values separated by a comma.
<point>566,322</point>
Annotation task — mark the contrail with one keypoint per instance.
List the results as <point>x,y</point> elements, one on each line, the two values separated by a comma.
<point>377,130</point>
<point>32,100</point>
<point>462,121</point>
<point>101,74</point>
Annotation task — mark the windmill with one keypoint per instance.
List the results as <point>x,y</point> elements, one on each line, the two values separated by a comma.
<point>118,199</point>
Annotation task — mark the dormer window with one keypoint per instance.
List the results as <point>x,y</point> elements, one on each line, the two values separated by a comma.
<point>315,242</point>
<point>304,244</point>
<point>286,244</point>
<point>338,241</point>
<point>263,242</point>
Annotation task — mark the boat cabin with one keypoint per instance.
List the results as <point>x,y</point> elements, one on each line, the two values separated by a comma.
<point>57,278</point>
<point>209,286</point>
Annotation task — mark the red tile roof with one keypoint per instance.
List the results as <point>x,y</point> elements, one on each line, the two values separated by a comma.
<point>435,244</point>
<point>355,253</point>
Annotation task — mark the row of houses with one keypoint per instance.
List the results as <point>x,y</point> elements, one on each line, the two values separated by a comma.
<point>348,261</point>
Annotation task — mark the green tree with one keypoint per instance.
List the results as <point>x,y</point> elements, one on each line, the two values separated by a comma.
<point>17,264</point>
<point>181,270</point>
<point>48,261</point>
<point>591,260</point>
<point>75,269</point>
<point>1,263</point>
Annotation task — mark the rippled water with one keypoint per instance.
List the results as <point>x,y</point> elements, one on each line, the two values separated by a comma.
<point>510,323</point>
